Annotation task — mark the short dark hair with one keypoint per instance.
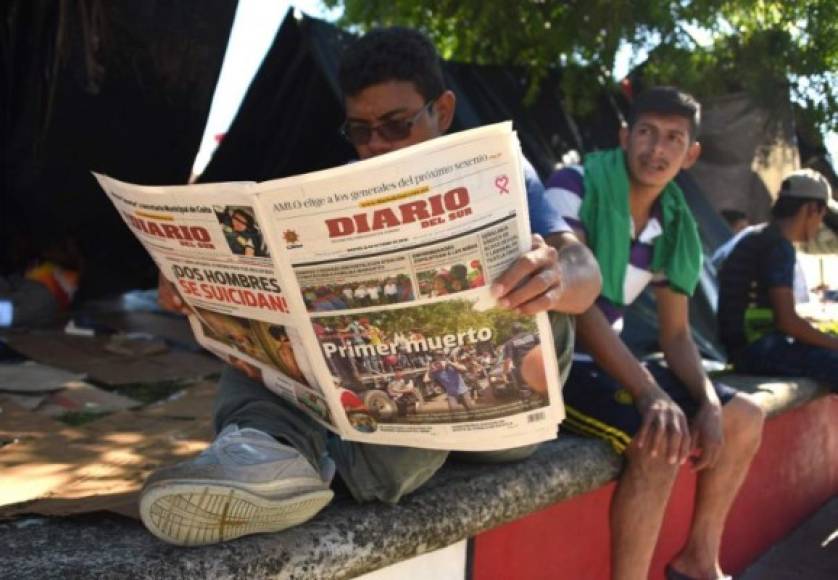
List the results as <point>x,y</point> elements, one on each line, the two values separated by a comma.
<point>667,101</point>
<point>248,218</point>
<point>391,54</point>
<point>733,215</point>
<point>786,207</point>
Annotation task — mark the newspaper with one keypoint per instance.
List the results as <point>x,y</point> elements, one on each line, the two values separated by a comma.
<point>361,294</point>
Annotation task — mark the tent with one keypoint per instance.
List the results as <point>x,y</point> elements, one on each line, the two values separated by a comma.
<point>119,87</point>
<point>290,117</point>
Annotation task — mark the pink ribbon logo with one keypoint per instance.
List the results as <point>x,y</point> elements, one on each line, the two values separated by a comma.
<point>502,183</point>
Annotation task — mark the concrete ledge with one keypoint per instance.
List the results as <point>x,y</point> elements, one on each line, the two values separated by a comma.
<point>346,539</point>
<point>776,395</point>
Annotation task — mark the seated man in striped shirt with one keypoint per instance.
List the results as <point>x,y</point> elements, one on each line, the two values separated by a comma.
<point>625,205</point>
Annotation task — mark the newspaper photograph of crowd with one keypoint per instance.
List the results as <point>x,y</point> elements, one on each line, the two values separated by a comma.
<point>437,363</point>
<point>358,294</point>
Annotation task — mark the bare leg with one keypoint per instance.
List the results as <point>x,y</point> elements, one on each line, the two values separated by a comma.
<point>637,511</point>
<point>717,487</point>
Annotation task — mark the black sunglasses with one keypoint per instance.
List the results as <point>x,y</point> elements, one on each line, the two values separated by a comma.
<point>390,130</point>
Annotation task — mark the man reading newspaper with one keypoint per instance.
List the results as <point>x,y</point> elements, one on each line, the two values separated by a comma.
<point>270,463</point>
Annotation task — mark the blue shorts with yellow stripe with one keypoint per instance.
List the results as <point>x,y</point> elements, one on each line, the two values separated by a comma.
<point>597,406</point>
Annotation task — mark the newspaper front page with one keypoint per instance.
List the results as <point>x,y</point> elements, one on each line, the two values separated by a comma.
<point>360,294</point>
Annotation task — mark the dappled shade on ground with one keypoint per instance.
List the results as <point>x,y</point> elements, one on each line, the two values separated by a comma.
<point>49,468</point>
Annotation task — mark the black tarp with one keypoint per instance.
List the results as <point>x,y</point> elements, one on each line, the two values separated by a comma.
<point>289,119</point>
<point>118,86</point>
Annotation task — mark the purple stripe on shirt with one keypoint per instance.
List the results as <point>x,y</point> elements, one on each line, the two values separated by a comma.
<point>612,312</point>
<point>568,179</point>
<point>641,255</point>
<point>576,224</point>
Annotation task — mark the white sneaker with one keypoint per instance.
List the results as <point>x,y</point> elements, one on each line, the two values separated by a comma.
<point>246,482</point>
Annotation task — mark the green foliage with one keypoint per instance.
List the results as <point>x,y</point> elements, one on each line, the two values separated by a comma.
<point>769,48</point>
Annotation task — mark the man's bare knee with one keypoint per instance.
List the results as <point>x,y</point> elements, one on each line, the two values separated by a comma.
<point>655,469</point>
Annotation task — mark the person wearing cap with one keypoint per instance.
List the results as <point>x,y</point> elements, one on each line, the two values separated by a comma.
<point>758,324</point>
<point>626,205</point>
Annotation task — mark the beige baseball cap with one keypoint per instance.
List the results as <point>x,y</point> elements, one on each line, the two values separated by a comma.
<point>808,184</point>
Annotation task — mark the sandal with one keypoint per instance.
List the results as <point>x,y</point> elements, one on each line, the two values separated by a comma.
<point>672,574</point>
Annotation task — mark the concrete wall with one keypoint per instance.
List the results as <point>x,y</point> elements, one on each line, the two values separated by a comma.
<point>793,474</point>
